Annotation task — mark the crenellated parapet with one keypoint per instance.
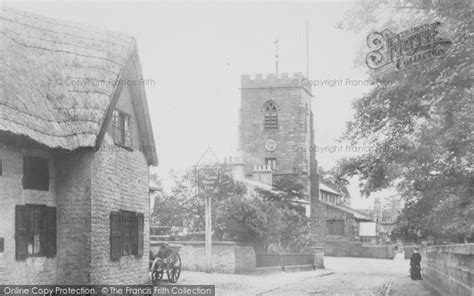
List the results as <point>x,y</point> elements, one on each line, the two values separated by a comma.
<point>275,81</point>
<point>233,160</point>
<point>263,173</point>
<point>262,168</point>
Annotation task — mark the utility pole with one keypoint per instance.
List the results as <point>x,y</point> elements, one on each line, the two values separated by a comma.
<point>208,234</point>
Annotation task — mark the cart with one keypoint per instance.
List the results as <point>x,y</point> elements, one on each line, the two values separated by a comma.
<point>167,260</point>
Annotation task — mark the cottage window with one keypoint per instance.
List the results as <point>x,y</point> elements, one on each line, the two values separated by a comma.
<point>335,227</point>
<point>1,244</point>
<point>126,234</point>
<point>35,173</point>
<point>121,128</point>
<point>35,231</point>
<point>270,119</point>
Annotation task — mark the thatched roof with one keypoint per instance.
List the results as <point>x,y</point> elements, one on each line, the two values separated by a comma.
<point>57,80</point>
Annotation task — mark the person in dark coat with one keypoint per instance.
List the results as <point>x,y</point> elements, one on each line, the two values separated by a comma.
<point>415,265</point>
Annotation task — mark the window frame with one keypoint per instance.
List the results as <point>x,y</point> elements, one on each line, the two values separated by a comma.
<point>34,173</point>
<point>126,234</point>
<point>272,161</point>
<point>119,132</point>
<point>270,116</point>
<point>32,220</point>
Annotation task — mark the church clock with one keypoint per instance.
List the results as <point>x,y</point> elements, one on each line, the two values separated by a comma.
<point>270,145</point>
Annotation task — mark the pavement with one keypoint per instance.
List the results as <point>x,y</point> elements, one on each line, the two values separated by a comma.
<point>342,276</point>
<point>253,284</point>
<point>406,286</point>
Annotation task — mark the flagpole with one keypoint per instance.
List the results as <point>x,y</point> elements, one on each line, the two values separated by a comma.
<point>307,50</point>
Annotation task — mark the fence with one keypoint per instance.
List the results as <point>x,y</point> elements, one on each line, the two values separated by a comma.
<point>289,259</point>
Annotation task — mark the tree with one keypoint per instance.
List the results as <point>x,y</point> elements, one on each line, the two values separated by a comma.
<point>335,179</point>
<point>270,220</point>
<point>419,121</point>
<point>250,220</point>
<point>294,224</point>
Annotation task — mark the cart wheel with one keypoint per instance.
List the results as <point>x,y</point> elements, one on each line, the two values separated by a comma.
<point>157,271</point>
<point>174,268</point>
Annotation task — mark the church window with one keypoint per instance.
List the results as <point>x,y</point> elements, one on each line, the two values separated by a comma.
<point>270,121</point>
<point>271,162</point>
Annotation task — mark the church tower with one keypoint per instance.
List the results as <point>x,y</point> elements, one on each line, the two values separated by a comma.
<point>276,129</point>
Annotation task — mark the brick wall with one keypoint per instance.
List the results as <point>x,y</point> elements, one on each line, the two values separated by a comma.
<point>450,269</point>
<point>33,269</point>
<point>74,217</point>
<point>119,182</point>
<point>228,257</point>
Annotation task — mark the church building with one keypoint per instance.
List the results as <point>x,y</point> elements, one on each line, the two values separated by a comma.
<point>276,141</point>
<point>276,131</point>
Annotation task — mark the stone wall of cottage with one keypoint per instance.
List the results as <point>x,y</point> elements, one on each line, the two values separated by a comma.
<point>119,182</point>
<point>33,270</point>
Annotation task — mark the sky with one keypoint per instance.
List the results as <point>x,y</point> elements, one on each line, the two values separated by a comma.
<point>193,54</point>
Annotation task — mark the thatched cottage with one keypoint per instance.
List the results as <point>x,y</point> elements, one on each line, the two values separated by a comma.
<point>75,146</point>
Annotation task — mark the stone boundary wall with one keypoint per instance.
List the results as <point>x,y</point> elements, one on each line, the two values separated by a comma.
<point>449,268</point>
<point>343,248</point>
<point>228,256</point>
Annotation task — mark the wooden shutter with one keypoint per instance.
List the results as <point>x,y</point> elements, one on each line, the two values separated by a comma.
<point>21,233</point>
<point>115,235</point>
<point>140,237</point>
<point>125,230</point>
<point>50,237</point>
<point>133,227</point>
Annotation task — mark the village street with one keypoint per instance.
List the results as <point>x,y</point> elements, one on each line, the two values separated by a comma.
<point>342,276</point>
